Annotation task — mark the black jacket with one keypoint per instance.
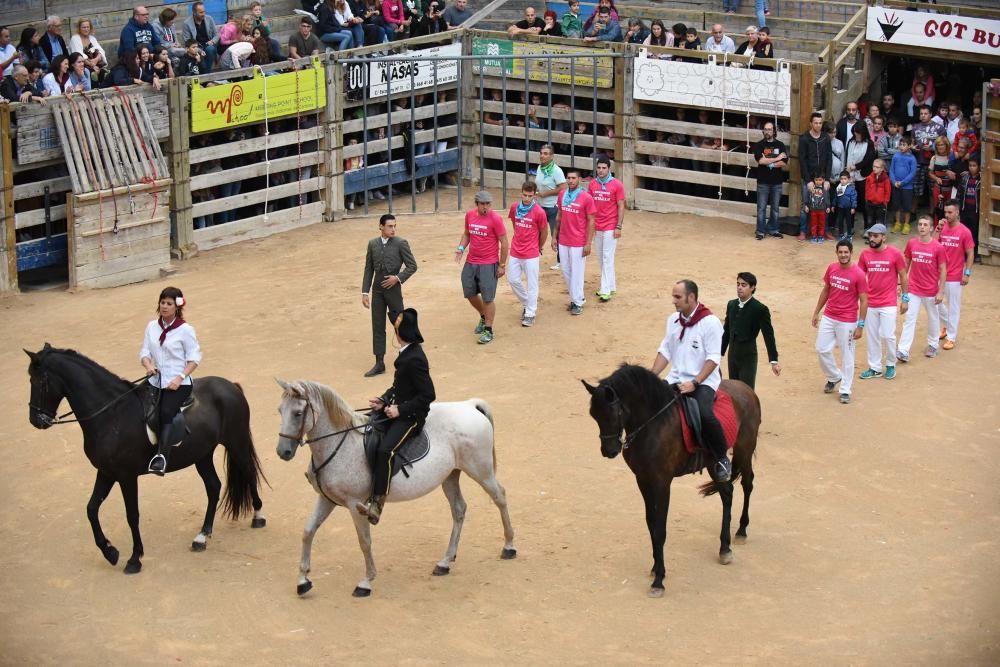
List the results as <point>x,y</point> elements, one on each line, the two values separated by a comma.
<point>47,46</point>
<point>814,155</point>
<point>744,324</point>
<point>412,389</point>
<point>390,259</point>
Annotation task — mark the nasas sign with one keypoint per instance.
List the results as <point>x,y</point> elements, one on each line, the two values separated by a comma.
<point>933,31</point>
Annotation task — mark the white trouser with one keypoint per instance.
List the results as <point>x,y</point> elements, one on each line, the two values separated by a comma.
<point>910,323</point>
<point>951,309</point>
<point>527,296</point>
<point>833,333</point>
<point>573,265</point>
<point>605,244</point>
<point>880,327</point>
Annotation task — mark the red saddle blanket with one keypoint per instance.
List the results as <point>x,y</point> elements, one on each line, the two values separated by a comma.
<point>724,412</point>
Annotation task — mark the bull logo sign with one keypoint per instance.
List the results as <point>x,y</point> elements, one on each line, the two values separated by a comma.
<point>889,23</point>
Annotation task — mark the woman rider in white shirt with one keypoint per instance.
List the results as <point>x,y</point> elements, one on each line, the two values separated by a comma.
<point>170,353</point>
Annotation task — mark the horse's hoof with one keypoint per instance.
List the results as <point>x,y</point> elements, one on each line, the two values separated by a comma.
<point>508,554</point>
<point>111,554</point>
<point>656,592</point>
<point>198,546</point>
<point>133,567</point>
<point>258,522</point>
<point>740,539</point>
<point>304,588</point>
<point>441,571</point>
<point>361,592</point>
<point>726,558</point>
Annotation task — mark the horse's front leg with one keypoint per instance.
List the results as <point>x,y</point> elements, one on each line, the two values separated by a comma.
<point>361,525</point>
<point>319,515</point>
<point>726,494</point>
<point>657,500</point>
<point>102,487</point>
<point>130,494</point>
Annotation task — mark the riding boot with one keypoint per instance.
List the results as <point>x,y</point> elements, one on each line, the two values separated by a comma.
<point>378,368</point>
<point>158,464</point>
<point>372,510</point>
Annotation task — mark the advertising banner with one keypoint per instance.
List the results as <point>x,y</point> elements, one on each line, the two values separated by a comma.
<point>580,66</point>
<point>933,31</point>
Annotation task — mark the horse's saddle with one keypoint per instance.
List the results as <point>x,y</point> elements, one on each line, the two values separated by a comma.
<point>690,415</point>
<point>151,412</point>
<point>412,450</point>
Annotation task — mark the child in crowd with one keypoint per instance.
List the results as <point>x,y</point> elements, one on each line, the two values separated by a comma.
<point>845,206</point>
<point>965,131</point>
<point>968,201</point>
<point>817,205</point>
<point>878,191</point>
<point>190,62</point>
<point>887,147</point>
<point>902,172</point>
<point>877,129</point>
<point>352,164</point>
<point>693,43</point>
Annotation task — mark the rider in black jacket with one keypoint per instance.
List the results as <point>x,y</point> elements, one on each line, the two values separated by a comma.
<point>406,403</point>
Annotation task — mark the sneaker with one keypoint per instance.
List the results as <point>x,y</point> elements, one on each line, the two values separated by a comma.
<point>481,327</point>
<point>528,321</point>
<point>903,356</point>
<point>890,373</point>
<point>776,235</point>
<point>759,236</point>
<point>906,228</point>
<point>948,345</point>
<point>845,398</point>
<point>820,239</point>
<point>943,334</point>
<point>870,373</point>
<point>930,352</point>
<point>350,205</point>
<point>801,236</point>
<point>604,297</point>
<point>486,337</point>
<point>377,194</point>
<point>830,386</point>
<point>555,267</point>
<point>576,310</point>
<point>896,228</point>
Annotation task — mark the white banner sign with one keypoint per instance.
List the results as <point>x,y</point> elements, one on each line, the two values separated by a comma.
<point>714,86</point>
<point>408,69</point>
<point>933,31</point>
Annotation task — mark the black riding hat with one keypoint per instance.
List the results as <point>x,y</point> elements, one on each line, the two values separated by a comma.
<point>407,329</point>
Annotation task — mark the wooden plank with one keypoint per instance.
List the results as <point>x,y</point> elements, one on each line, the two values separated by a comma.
<point>79,182</point>
<point>666,202</point>
<point>706,178</point>
<point>517,110</point>
<point>255,197</point>
<point>8,247</point>
<point>22,11</point>
<point>137,189</point>
<point>289,163</point>
<point>381,145</point>
<point>275,140</point>
<point>88,143</point>
<point>149,147</point>
<point>156,245</point>
<point>379,120</point>
<point>123,130</point>
<point>697,129</point>
<point>150,135</point>
<point>26,219</point>
<point>99,110</point>
<point>37,188</point>
<point>257,227</point>
<point>496,153</point>
<point>117,236</point>
<point>515,132</point>
<point>124,270</point>
<point>179,146</point>
<point>691,153</point>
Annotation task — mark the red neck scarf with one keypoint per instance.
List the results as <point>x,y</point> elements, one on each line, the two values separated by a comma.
<point>700,312</point>
<point>178,322</point>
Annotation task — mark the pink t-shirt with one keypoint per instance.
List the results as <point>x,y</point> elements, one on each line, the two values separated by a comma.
<point>846,285</point>
<point>606,198</point>
<point>955,241</point>
<point>882,269</point>
<point>527,231</point>
<point>484,237</point>
<point>925,266</point>
<point>573,219</point>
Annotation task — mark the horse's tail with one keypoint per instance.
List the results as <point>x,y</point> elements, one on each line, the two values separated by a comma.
<point>243,471</point>
<point>711,488</point>
<point>484,407</point>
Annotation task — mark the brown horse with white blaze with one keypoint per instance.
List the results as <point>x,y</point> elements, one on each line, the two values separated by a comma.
<point>637,415</point>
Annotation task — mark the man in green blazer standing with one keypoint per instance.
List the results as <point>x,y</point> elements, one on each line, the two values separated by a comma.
<point>388,264</point>
<point>746,317</point>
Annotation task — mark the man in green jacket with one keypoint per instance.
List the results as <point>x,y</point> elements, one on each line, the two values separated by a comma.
<point>746,317</point>
<point>570,22</point>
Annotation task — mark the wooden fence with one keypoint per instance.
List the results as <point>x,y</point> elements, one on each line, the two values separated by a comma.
<point>989,189</point>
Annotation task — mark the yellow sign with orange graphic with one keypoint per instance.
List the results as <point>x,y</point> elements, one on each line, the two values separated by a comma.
<point>253,100</point>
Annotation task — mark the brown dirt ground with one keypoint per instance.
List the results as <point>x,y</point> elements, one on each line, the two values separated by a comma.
<point>873,525</point>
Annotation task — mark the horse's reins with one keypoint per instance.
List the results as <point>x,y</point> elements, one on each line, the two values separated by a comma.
<point>61,419</point>
<point>628,438</point>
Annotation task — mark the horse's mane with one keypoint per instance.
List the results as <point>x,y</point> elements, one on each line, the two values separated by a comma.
<point>340,412</point>
<point>637,383</point>
<point>83,361</point>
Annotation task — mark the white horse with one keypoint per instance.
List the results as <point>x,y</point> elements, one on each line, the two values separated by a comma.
<point>461,440</point>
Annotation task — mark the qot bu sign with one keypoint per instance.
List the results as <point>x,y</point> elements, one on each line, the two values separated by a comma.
<point>404,72</point>
<point>970,34</point>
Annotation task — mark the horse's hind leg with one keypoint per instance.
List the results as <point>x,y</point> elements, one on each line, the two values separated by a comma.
<point>726,494</point>
<point>499,495</point>
<point>213,487</point>
<point>746,480</point>
<point>102,487</point>
<point>130,494</point>
<point>453,492</point>
<point>319,515</point>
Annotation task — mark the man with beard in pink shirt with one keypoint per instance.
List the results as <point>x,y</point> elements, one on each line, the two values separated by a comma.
<point>609,199</point>
<point>959,252</point>
<point>885,269</point>
<point>925,272</point>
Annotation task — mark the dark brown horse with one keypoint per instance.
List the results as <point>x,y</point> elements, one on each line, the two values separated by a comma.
<point>636,413</point>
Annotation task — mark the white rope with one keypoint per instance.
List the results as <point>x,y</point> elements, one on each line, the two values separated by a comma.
<point>722,126</point>
<point>746,176</point>
<point>267,155</point>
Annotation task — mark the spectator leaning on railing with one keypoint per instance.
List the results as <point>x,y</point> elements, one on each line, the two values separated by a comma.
<point>530,24</point>
<point>137,32</point>
<point>570,22</point>
<point>190,63</point>
<point>17,87</point>
<point>57,77</point>
<point>304,43</point>
<point>605,28</point>
<point>78,79</point>
<point>720,42</point>
<point>201,27</point>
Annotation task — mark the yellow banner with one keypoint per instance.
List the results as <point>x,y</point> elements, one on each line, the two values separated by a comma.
<point>232,104</point>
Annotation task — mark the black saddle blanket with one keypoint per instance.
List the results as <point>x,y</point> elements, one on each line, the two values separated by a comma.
<point>151,407</point>
<point>414,449</point>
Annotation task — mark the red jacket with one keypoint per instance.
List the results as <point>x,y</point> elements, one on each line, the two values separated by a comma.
<point>877,191</point>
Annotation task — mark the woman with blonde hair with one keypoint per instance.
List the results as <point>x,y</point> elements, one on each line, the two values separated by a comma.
<point>84,42</point>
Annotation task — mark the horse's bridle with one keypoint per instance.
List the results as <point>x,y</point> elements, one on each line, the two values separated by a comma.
<point>301,440</point>
<point>625,439</point>
<point>61,419</point>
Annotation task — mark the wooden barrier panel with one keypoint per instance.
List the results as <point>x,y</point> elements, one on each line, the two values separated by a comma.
<point>989,188</point>
<point>119,237</point>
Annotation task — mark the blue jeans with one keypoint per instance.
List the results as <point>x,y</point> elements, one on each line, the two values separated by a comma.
<point>730,5</point>
<point>357,35</point>
<point>211,53</point>
<point>759,7</point>
<point>768,194</point>
<point>339,40</point>
<point>229,190</point>
<point>803,214</point>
